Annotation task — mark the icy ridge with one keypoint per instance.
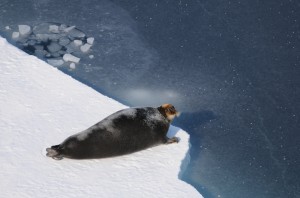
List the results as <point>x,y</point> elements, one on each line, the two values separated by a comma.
<point>39,107</point>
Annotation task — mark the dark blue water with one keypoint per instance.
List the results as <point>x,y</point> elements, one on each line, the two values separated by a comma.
<point>231,67</point>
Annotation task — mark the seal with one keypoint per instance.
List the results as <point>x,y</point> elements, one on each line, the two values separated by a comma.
<point>124,132</point>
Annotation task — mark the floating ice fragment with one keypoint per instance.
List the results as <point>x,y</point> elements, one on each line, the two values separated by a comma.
<point>71,47</point>
<point>85,48</point>
<point>75,33</point>
<point>7,27</point>
<point>54,29</point>
<point>15,35</point>
<point>71,58</point>
<point>42,37</point>
<point>91,56</point>
<point>31,42</point>
<point>78,42</point>
<point>53,47</point>
<point>68,29</point>
<point>38,47</point>
<point>24,30</point>
<point>90,40</point>
<point>40,53</point>
<point>72,66</point>
<point>55,61</point>
<point>64,41</point>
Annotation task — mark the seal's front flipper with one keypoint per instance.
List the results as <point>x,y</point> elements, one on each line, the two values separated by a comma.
<point>54,153</point>
<point>172,140</point>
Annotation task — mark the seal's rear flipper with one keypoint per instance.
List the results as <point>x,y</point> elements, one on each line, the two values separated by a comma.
<point>54,152</point>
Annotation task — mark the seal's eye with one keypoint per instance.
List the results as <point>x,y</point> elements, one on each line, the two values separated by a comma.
<point>172,110</point>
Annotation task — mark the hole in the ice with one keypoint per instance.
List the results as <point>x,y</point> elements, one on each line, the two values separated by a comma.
<point>58,44</point>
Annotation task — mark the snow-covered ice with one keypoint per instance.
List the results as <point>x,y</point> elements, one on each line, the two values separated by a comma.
<point>41,106</point>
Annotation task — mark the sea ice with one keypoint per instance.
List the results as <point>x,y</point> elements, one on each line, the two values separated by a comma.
<point>85,48</point>
<point>54,29</point>
<point>55,61</point>
<point>78,42</point>
<point>64,41</point>
<point>71,58</point>
<point>67,29</point>
<point>53,47</point>
<point>42,108</point>
<point>24,30</point>
<point>91,56</point>
<point>72,66</point>
<point>90,40</point>
<point>15,35</point>
<point>75,33</point>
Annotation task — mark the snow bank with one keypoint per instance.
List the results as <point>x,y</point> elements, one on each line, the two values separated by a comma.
<point>40,106</point>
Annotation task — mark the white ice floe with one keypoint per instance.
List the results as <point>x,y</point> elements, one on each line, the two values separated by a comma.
<point>78,42</point>
<point>91,56</point>
<point>71,58</point>
<point>40,107</point>
<point>15,35</point>
<point>72,66</point>
<point>55,62</point>
<point>90,40</point>
<point>54,29</point>
<point>24,30</point>
<point>85,48</point>
<point>53,47</point>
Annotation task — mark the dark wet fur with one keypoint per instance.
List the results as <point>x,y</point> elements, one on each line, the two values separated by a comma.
<point>131,134</point>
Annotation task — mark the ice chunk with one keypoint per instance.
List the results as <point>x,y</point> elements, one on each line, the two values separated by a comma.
<point>38,47</point>
<point>72,66</point>
<point>15,35</point>
<point>68,29</point>
<point>78,42</point>
<point>40,53</point>
<point>54,29</point>
<point>42,28</point>
<point>53,47</point>
<point>7,27</point>
<point>75,33</point>
<point>71,58</point>
<point>91,56</point>
<point>31,42</point>
<point>42,37</point>
<point>64,41</point>
<point>85,48</point>
<point>90,40</point>
<point>71,47</point>
<point>24,30</point>
<point>55,61</point>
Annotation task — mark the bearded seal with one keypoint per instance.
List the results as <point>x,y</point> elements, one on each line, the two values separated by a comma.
<point>126,131</point>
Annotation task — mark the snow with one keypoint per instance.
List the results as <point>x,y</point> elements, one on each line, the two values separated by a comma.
<point>39,107</point>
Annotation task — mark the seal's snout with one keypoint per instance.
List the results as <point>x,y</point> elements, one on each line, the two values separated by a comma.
<point>170,111</point>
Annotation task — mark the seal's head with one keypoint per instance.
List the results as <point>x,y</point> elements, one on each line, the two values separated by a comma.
<point>168,111</point>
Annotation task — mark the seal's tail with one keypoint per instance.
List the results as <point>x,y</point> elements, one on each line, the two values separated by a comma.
<point>54,152</point>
